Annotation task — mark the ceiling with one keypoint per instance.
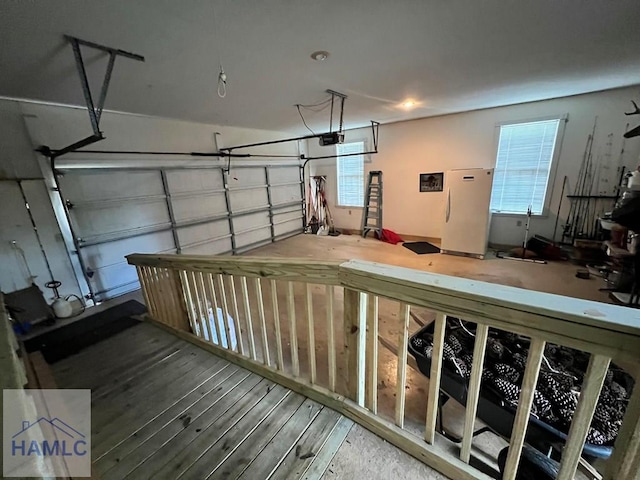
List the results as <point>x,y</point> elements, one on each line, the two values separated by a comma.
<point>447,55</point>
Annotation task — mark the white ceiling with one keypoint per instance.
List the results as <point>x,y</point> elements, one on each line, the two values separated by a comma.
<point>450,55</point>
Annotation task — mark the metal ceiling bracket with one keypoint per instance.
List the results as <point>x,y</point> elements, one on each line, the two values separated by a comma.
<point>94,110</point>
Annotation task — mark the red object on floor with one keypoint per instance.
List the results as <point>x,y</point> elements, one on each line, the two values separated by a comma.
<point>390,236</point>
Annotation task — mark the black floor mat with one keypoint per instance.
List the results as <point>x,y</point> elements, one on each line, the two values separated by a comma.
<point>421,247</point>
<point>65,341</point>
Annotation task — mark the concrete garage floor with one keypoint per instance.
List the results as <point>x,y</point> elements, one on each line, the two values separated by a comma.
<point>553,277</point>
<point>364,454</point>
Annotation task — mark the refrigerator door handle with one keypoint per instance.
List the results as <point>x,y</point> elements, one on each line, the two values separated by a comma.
<point>448,214</point>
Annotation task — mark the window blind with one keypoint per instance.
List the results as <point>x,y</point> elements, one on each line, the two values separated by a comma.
<point>523,165</point>
<point>350,174</point>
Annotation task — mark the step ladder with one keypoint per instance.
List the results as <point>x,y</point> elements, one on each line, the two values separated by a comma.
<point>372,213</point>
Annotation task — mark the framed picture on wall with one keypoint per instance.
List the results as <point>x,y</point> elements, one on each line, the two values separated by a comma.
<point>431,182</point>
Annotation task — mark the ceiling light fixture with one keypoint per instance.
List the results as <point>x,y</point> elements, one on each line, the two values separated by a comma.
<point>320,55</point>
<point>408,104</point>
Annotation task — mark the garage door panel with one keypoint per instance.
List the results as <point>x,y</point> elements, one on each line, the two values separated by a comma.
<point>194,208</point>
<point>114,252</point>
<point>252,237</point>
<point>287,226</point>
<point>119,212</point>
<point>216,247</point>
<point>284,174</point>
<point>289,214</point>
<point>111,277</point>
<point>108,271</point>
<point>195,180</point>
<point>285,194</point>
<point>246,222</point>
<point>118,219</point>
<point>188,236</point>
<point>79,187</point>
<point>248,199</point>
<point>245,177</point>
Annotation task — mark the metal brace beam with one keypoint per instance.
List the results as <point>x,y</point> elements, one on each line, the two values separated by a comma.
<point>94,110</point>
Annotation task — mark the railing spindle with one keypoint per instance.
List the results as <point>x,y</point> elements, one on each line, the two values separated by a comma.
<point>625,461</point>
<point>276,321</point>
<point>482,332</point>
<point>160,301</point>
<point>236,313</point>
<point>225,314</point>
<point>589,394</point>
<point>312,338</point>
<point>168,294</point>
<point>186,285</point>
<point>211,292</point>
<point>293,335</point>
<point>247,312</point>
<point>363,300</point>
<point>203,302</point>
<point>197,308</point>
<point>153,307</point>
<point>521,422</point>
<point>182,320</point>
<point>331,347</point>
<point>401,374</point>
<point>144,287</point>
<point>263,322</point>
<point>371,385</point>
<point>434,378</point>
<point>224,329</point>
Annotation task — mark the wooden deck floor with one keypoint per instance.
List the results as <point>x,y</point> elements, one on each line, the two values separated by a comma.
<point>165,409</point>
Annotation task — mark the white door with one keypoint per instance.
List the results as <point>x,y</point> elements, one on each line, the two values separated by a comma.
<point>467,211</point>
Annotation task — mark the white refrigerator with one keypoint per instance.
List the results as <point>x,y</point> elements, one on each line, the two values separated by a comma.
<point>467,215</point>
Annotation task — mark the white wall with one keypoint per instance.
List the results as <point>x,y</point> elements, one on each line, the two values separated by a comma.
<point>18,162</point>
<point>468,140</point>
<point>26,125</point>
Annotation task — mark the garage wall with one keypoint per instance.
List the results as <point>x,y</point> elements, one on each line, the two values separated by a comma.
<point>19,168</point>
<point>120,204</point>
<point>468,140</point>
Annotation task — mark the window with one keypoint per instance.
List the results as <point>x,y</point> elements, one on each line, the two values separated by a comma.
<point>350,174</point>
<point>523,166</point>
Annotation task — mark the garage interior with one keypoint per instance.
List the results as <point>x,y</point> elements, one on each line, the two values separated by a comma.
<point>154,153</point>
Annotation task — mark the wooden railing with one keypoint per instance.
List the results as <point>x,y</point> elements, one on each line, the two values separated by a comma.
<point>314,327</point>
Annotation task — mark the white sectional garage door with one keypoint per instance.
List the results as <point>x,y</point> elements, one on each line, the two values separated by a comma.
<point>186,210</point>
